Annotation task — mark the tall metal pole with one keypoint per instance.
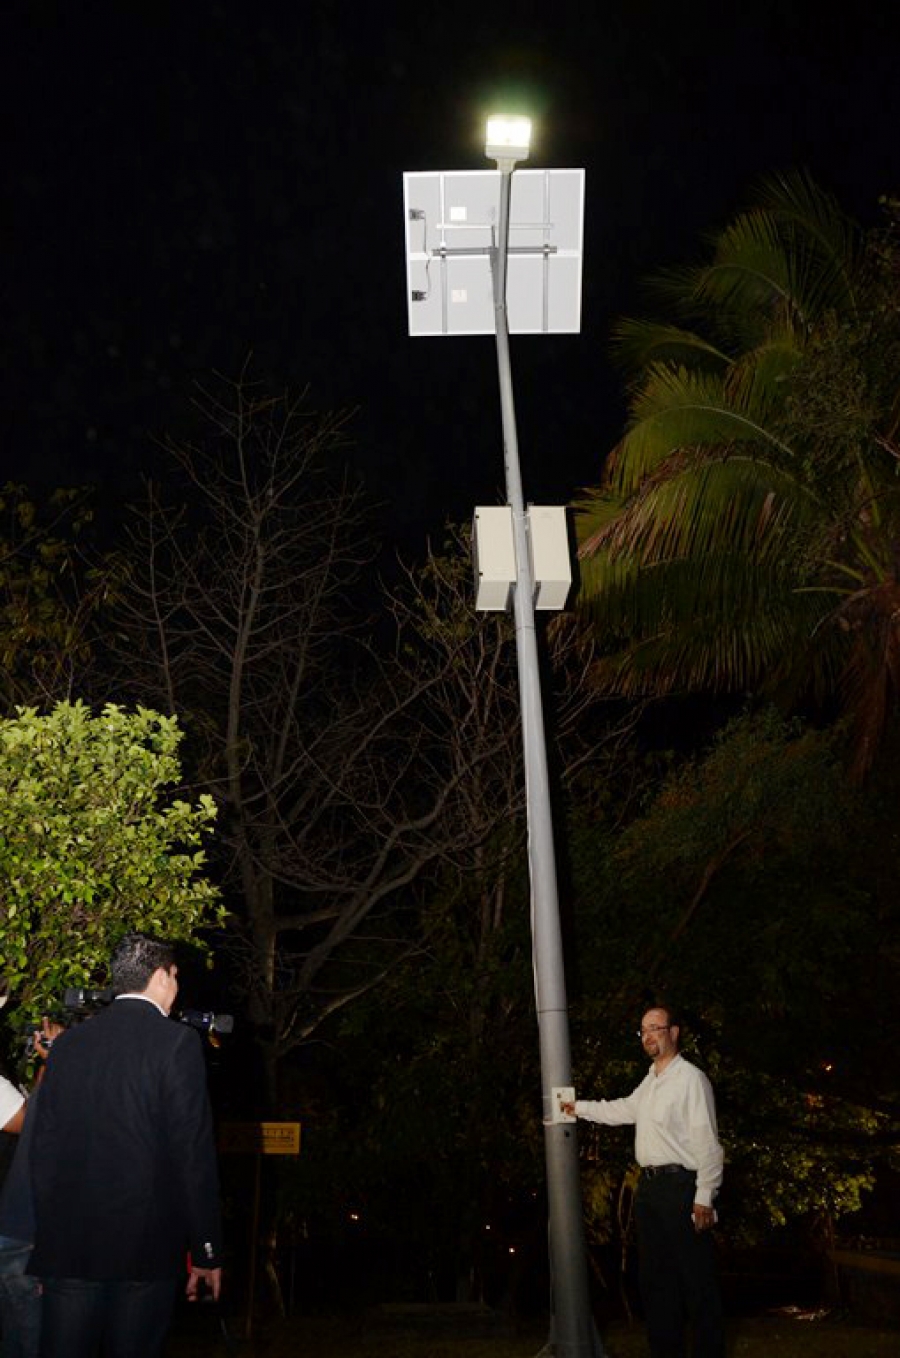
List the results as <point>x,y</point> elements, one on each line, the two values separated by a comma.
<point>574,1333</point>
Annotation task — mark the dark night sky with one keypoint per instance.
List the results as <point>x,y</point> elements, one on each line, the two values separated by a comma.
<point>187,182</point>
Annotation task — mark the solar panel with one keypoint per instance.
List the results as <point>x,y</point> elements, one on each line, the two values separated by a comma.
<point>451,221</point>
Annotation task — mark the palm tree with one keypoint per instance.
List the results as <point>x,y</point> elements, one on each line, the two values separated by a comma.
<point>746,533</point>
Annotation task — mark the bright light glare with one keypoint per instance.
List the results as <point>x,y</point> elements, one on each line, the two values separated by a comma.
<point>508,138</point>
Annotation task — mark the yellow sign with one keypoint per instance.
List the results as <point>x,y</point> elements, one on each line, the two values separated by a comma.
<point>259,1138</point>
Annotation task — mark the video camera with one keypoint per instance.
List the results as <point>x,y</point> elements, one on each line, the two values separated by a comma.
<point>79,1004</point>
<point>87,1002</point>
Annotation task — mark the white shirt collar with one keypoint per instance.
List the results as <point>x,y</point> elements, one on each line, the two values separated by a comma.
<point>146,998</point>
<point>665,1070</point>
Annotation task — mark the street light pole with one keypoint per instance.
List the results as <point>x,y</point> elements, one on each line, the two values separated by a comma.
<point>574,1334</point>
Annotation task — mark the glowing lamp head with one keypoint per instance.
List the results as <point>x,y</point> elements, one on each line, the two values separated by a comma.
<point>508,138</point>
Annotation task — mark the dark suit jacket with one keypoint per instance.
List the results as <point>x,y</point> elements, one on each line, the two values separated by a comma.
<point>121,1151</point>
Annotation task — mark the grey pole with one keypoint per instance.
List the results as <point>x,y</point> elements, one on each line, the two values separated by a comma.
<point>574,1334</point>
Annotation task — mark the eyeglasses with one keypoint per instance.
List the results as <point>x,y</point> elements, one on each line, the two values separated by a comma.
<point>656,1028</point>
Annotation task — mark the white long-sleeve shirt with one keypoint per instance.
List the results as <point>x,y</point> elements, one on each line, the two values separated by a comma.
<point>11,1100</point>
<point>674,1116</point>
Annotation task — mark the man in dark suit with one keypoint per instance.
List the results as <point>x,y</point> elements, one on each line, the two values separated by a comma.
<point>123,1169</point>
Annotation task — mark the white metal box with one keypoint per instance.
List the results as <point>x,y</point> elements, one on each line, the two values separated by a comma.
<point>551,565</point>
<point>494,552</point>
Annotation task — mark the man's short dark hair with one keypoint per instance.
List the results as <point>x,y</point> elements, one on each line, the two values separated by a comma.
<point>670,1011</point>
<point>134,961</point>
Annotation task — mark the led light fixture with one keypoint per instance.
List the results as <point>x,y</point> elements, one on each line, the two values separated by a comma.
<point>508,138</point>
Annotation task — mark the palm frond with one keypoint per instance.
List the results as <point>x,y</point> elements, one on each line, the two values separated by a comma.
<point>749,278</point>
<point>638,344</point>
<point>756,382</point>
<point>698,575</point>
<point>750,650</point>
<point>679,409</point>
<point>744,535</point>
<point>821,233</point>
<point>596,508</point>
<point>700,505</point>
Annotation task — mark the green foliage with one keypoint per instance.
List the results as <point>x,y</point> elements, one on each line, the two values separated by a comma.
<point>92,844</point>
<point>716,855</point>
<point>793,1153</point>
<point>744,540</point>
<point>749,890</point>
<point>744,535</point>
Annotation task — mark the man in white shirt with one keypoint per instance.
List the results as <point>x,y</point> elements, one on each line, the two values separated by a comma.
<point>677,1147</point>
<point>20,1297</point>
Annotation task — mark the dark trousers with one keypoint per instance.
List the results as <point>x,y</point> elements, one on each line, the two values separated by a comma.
<point>83,1319</point>
<point>679,1278</point>
<point>20,1301</point>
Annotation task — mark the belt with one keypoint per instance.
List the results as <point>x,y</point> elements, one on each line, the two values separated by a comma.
<point>651,1171</point>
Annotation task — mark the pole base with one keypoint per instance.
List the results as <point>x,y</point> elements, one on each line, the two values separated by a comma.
<point>594,1347</point>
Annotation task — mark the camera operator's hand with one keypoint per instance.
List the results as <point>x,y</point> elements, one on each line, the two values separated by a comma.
<point>199,1278</point>
<point>44,1037</point>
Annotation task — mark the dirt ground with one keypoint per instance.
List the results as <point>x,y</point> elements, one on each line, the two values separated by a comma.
<point>202,1334</point>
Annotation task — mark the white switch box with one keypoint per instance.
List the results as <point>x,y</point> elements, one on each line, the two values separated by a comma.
<point>494,552</point>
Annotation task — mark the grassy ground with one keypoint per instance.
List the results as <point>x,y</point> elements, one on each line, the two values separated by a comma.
<point>200,1336</point>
